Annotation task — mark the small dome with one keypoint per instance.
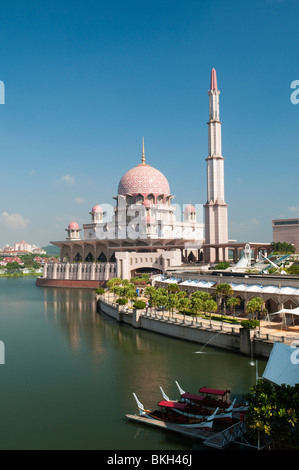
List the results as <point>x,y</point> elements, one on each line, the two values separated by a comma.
<point>190,209</point>
<point>96,209</point>
<point>73,226</point>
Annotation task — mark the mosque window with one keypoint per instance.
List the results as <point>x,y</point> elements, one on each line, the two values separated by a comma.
<point>151,198</point>
<point>139,199</point>
<point>102,258</point>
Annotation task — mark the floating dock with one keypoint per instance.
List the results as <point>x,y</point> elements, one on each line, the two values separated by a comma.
<point>215,439</point>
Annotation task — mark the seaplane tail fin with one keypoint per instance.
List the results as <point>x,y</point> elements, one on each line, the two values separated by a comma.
<point>180,389</point>
<point>139,404</point>
<point>232,405</point>
<point>164,395</point>
<point>213,415</point>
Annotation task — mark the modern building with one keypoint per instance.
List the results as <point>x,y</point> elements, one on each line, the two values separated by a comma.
<point>286,230</point>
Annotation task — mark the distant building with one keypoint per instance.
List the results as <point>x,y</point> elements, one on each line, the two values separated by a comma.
<point>21,248</point>
<point>286,230</point>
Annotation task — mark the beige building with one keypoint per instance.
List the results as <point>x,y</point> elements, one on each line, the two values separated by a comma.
<point>286,230</point>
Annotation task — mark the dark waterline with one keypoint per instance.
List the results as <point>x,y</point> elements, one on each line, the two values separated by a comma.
<point>70,373</point>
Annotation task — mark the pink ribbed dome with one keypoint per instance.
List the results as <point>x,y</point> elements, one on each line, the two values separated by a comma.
<point>143,179</point>
<point>73,226</point>
<point>190,208</point>
<point>96,209</point>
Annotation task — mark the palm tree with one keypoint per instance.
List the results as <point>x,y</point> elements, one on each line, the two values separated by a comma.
<point>232,303</point>
<point>196,304</point>
<point>224,291</point>
<point>184,304</point>
<point>210,306</point>
<point>255,306</point>
<point>172,302</point>
<point>149,292</point>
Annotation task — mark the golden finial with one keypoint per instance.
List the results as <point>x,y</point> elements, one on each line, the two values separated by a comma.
<point>143,154</point>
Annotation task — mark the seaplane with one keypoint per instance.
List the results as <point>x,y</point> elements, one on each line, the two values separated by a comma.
<point>196,407</point>
<point>168,414</point>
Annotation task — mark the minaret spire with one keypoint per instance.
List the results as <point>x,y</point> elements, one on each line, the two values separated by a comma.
<point>216,231</point>
<point>143,154</point>
<point>213,80</point>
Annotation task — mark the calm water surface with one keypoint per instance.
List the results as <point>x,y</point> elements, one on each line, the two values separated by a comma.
<point>70,373</point>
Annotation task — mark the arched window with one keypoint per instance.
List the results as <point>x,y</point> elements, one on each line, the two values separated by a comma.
<point>151,198</point>
<point>102,258</point>
<point>78,258</point>
<point>160,199</point>
<point>139,199</point>
<point>129,200</point>
<point>89,258</point>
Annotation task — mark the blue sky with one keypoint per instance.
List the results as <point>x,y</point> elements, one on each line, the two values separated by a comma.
<point>84,81</point>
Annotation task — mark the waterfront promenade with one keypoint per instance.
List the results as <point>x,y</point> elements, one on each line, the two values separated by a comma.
<point>204,331</point>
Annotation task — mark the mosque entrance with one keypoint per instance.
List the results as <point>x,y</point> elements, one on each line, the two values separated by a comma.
<point>140,271</point>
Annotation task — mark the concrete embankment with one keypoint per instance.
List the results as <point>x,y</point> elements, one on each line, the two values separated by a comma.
<point>231,338</point>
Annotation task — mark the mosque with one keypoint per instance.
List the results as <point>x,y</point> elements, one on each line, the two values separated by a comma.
<point>147,231</point>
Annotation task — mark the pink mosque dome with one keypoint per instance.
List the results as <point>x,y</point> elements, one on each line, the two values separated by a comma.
<point>143,179</point>
<point>190,208</point>
<point>96,209</point>
<point>73,226</point>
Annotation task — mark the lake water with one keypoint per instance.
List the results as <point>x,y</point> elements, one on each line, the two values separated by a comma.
<point>70,372</point>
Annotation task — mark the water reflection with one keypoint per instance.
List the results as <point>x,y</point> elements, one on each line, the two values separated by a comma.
<point>143,360</point>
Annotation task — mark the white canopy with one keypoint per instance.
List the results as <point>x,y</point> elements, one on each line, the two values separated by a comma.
<point>293,311</point>
<point>283,365</point>
<point>283,312</point>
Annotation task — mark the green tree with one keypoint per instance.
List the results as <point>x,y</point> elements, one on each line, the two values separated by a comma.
<point>196,305</point>
<point>100,290</point>
<point>114,281</point>
<point>14,266</point>
<point>184,305</point>
<point>172,302</point>
<point>149,292</point>
<point>255,306</point>
<point>273,413</point>
<point>210,306</point>
<point>232,303</point>
<point>294,269</point>
<point>173,289</point>
<point>224,291</point>
<point>282,248</point>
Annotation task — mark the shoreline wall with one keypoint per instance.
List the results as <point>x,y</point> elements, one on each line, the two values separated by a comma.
<point>42,282</point>
<point>238,341</point>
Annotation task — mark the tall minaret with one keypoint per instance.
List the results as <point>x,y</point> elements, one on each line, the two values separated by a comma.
<point>216,231</point>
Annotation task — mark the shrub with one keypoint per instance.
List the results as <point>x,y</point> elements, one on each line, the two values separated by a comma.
<point>250,324</point>
<point>139,304</point>
<point>100,290</point>
<point>122,301</point>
